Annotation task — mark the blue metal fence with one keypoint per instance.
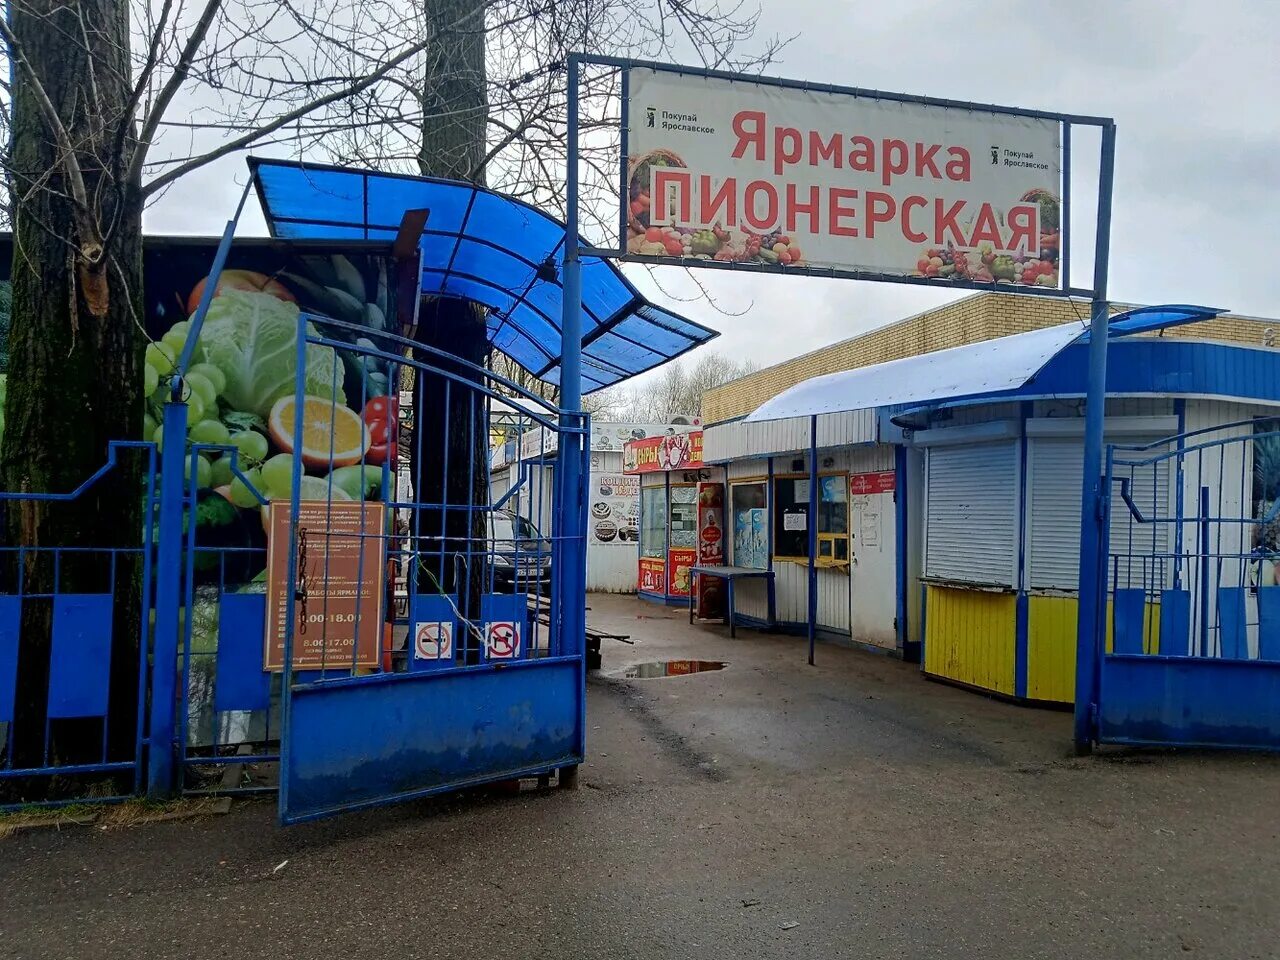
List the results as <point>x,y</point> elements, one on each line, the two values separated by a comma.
<point>79,738</point>
<point>1191,559</point>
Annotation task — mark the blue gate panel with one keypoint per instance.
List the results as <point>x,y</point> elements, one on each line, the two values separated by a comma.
<point>1190,701</point>
<point>1269,623</point>
<point>433,631</point>
<point>1231,623</point>
<point>80,664</point>
<point>10,626</point>
<point>1129,607</point>
<point>241,683</point>
<point>1175,622</point>
<point>506,626</point>
<point>390,737</point>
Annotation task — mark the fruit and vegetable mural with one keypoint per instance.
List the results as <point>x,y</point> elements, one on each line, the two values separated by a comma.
<point>715,243</point>
<point>982,264</point>
<point>240,390</point>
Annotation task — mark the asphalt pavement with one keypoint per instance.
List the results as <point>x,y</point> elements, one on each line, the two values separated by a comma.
<point>769,809</point>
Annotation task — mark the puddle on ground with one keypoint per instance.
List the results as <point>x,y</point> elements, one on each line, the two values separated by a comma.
<point>670,668</point>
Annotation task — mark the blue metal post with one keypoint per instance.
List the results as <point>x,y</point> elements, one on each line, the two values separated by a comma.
<point>569,460</point>
<point>1090,629</point>
<point>164,661</point>
<point>813,535</point>
<point>291,592</point>
<point>900,546</point>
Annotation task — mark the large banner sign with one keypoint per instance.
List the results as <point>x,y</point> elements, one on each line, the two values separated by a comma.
<point>765,175</point>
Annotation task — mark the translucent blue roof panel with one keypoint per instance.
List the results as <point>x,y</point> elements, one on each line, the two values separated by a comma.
<point>1158,317</point>
<point>494,250</point>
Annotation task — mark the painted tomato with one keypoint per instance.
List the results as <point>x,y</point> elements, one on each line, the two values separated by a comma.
<point>381,408</point>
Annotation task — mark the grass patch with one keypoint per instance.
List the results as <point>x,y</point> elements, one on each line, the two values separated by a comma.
<point>130,813</point>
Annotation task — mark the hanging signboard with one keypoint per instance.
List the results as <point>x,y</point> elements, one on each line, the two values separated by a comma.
<point>541,442</point>
<point>340,584</point>
<point>766,176</point>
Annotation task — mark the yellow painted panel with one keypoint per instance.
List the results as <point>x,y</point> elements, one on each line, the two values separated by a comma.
<point>1051,648</point>
<point>969,637</point>
<point>1051,645</point>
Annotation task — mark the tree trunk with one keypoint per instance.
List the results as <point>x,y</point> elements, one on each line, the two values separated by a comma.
<point>74,382</point>
<point>455,106</point>
<point>453,419</point>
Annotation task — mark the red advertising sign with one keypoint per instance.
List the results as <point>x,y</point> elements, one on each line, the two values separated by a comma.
<point>675,451</point>
<point>882,481</point>
<point>680,560</point>
<point>653,575</point>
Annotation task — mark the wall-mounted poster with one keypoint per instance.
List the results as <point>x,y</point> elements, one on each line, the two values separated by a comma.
<point>678,582</point>
<point>615,510</point>
<point>653,573</point>
<point>711,547</point>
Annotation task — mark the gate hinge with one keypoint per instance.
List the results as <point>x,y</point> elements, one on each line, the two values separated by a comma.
<point>1104,506</point>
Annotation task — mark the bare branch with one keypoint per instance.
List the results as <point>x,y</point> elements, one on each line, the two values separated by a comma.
<point>152,121</point>
<point>66,150</point>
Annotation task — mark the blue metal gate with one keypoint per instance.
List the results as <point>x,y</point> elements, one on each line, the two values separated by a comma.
<point>1192,645</point>
<point>479,679</point>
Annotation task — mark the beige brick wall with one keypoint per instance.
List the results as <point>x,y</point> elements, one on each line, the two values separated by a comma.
<point>982,316</point>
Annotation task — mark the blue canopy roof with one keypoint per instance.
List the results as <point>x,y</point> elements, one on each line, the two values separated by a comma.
<point>479,245</point>
<point>1006,367</point>
<point>1157,317</point>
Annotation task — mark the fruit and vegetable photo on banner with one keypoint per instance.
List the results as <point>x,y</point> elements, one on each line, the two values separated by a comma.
<point>240,389</point>
<point>767,176</point>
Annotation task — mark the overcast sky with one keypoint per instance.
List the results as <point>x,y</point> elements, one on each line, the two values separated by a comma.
<point>1193,87</point>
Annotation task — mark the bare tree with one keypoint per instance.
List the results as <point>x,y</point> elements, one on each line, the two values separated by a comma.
<point>91,133</point>
<point>676,392</point>
<point>526,44</point>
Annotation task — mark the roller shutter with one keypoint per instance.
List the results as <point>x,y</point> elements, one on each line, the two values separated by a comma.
<point>971,511</point>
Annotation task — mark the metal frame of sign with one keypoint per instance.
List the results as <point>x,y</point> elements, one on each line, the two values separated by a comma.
<point>1091,605</point>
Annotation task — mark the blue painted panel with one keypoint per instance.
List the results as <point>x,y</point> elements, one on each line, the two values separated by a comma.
<point>380,739</point>
<point>10,626</point>
<point>505,619</point>
<point>433,631</point>
<point>80,664</point>
<point>1175,622</point>
<point>1269,623</point>
<point>241,683</point>
<point>1190,701</point>
<point>1129,607</point>
<point>1231,623</point>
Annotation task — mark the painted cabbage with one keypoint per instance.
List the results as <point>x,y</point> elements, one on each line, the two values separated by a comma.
<point>250,337</point>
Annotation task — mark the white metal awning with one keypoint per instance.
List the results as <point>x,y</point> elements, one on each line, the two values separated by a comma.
<point>991,366</point>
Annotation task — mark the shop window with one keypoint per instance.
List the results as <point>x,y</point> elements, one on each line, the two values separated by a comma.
<point>653,522</point>
<point>791,518</point>
<point>748,516</point>
<point>684,517</point>
<point>833,518</point>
